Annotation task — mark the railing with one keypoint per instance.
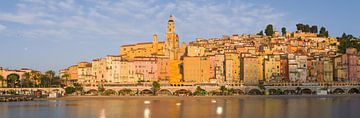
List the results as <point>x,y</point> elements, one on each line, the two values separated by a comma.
<point>235,84</point>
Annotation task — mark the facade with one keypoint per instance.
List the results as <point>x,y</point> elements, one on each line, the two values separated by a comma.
<point>220,68</point>
<point>272,67</point>
<point>146,68</point>
<point>250,71</point>
<point>328,70</point>
<point>99,71</point>
<point>284,68</point>
<point>84,72</point>
<point>232,64</point>
<point>127,72</point>
<point>349,63</point>
<point>297,68</point>
<point>196,69</point>
<point>195,51</point>
<point>113,69</point>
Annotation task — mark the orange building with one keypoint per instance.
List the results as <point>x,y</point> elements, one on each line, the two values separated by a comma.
<point>196,69</point>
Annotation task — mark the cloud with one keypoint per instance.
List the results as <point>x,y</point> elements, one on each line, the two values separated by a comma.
<point>137,20</point>
<point>2,28</point>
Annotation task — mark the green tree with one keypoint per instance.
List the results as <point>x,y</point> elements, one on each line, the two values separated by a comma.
<point>56,81</point>
<point>36,76</point>
<point>2,79</point>
<point>50,74</point>
<point>326,34</point>
<point>323,32</point>
<point>306,28</point>
<point>199,91</point>
<point>314,29</point>
<point>70,90</point>
<point>13,80</point>
<point>283,31</point>
<point>65,77</point>
<point>78,87</point>
<point>269,30</point>
<point>348,41</point>
<point>44,81</point>
<point>231,91</point>
<point>261,33</point>
<point>25,81</point>
<point>125,91</point>
<point>223,89</point>
<point>300,26</point>
<point>155,87</point>
<point>26,75</point>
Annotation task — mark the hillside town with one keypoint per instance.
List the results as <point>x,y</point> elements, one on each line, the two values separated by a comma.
<point>290,57</point>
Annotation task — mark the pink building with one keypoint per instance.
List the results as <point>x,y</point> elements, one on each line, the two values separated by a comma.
<point>212,67</point>
<point>163,68</point>
<point>146,68</point>
<point>152,68</point>
<point>349,63</point>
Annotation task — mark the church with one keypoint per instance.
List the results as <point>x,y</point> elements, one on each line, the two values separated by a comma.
<point>169,48</point>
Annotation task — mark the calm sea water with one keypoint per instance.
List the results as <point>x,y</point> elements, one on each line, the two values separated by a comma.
<point>247,107</point>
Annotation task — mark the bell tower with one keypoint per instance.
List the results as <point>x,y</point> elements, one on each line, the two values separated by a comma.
<point>155,44</point>
<point>172,41</point>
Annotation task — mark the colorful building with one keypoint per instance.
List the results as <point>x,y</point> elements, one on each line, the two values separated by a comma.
<point>250,69</point>
<point>196,69</point>
<point>232,67</point>
<point>272,67</point>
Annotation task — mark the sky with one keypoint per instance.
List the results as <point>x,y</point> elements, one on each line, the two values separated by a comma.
<point>54,34</point>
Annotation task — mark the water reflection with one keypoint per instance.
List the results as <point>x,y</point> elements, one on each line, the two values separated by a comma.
<point>219,110</point>
<point>102,113</point>
<point>147,113</point>
<point>252,107</point>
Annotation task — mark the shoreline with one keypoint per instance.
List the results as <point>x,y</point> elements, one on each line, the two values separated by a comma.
<point>194,97</point>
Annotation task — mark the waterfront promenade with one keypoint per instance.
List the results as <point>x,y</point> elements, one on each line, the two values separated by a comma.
<point>226,89</point>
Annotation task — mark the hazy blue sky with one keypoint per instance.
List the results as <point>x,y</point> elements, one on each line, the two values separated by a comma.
<point>54,34</point>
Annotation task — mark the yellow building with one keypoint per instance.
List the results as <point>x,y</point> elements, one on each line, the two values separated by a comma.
<point>196,69</point>
<point>113,69</point>
<point>84,72</point>
<point>129,52</point>
<point>304,35</point>
<point>98,71</point>
<point>232,67</point>
<point>127,72</point>
<point>195,51</point>
<point>174,71</point>
<point>72,75</point>
<point>169,48</point>
<point>272,67</point>
<point>328,70</point>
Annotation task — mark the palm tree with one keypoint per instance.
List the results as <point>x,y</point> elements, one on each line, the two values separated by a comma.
<point>35,76</point>
<point>25,79</point>
<point>44,81</point>
<point>2,79</point>
<point>66,77</point>
<point>50,74</point>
